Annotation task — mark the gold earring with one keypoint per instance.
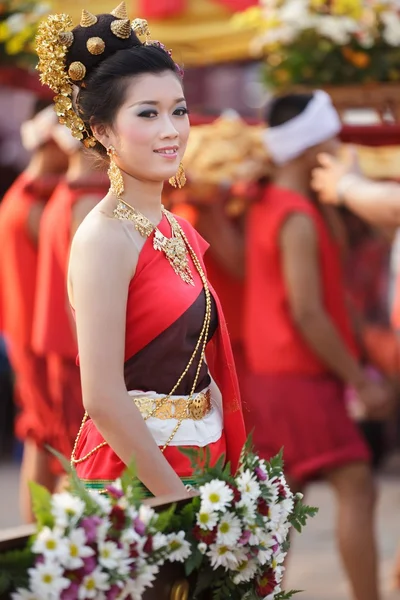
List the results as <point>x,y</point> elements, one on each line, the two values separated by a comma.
<point>179,179</point>
<point>114,174</point>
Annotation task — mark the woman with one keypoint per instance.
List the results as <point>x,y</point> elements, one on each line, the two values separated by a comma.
<point>54,335</point>
<point>20,214</point>
<point>145,313</point>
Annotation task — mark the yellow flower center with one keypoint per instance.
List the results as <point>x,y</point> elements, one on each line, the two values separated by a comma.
<point>222,550</point>
<point>90,584</point>
<point>105,553</point>
<point>51,544</point>
<point>204,518</point>
<point>214,497</point>
<point>175,545</point>
<point>74,550</point>
<point>225,527</point>
<point>47,578</point>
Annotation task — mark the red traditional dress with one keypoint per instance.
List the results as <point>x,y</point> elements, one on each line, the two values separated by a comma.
<point>53,336</point>
<point>164,319</point>
<point>292,399</point>
<point>18,266</point>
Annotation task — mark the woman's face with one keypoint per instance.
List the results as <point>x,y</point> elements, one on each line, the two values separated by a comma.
<point>151,128</point>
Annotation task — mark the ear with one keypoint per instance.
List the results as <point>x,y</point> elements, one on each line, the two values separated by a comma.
<point>102,133</point>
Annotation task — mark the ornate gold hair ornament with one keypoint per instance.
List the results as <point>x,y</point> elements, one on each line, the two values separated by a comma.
<point>120,12</point>
<point>52,43</point>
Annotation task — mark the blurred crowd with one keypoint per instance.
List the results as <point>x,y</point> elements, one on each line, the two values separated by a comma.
<point>39,214</point>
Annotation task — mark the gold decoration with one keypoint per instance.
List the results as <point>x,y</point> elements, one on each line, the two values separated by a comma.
<point>141,27</point>
<point>179,179</point>
<point>95,45</point>
<point>180,590</point>
<point>66,38</point>
<point>121,28</point>
<point>120,12</point>
<point>77,71</point>
<point>87,19</point>
<point>53,73</point>
<point>114,174</point>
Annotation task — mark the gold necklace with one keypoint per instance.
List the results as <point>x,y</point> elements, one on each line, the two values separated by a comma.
<point>174,247</point>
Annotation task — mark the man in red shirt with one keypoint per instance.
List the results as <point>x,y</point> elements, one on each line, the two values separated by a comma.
<point>300,349</point>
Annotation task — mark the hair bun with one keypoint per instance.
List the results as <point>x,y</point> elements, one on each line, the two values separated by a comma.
<point>97,37</point>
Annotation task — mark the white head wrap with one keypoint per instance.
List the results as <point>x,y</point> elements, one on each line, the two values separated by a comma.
<point>39,129</point>
<point>65,140</point>
<point>316,124</point>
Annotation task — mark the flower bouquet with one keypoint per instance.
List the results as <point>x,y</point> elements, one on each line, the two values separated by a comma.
<point>231,538</point>
<point>319,43</point>
<point>18,27</point>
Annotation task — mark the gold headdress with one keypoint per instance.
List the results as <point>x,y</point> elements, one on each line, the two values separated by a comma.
<point>67,58</point>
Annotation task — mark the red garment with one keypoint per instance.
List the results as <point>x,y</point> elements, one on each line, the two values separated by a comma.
<point>154,305</point>
<point>273,343</point>
<point>52,331</point>
<point>307,417</point>
<point>18,257</point>
<point>18,264</point>
<point>291,399</point>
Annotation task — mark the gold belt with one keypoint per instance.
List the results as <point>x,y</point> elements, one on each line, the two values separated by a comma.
<point>175,408</point>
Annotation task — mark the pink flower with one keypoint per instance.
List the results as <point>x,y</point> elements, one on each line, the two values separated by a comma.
<point>261,475</point>
<point>246,535</point>
<point>71,593</point>
<point>114,492</point>
<point>90,525</point>
<point>139,526</point>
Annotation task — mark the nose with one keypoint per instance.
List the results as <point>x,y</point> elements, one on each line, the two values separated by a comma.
<point>168,130</point>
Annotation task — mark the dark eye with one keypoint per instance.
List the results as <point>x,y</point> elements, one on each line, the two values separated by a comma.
<point>180,112</point>
<point>148,114</point>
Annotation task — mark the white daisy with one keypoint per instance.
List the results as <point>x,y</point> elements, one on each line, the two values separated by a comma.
<point>110,555</point>
<point>50,543</point>
<point>215,496</point>
<point>248,485</point>
<point>179,548</point>
<point>102,501</point>
<point>248,510</point>
<point>224,556</point>
<point>47,581</point>
<point>135,588</point>
<point>146,514</point>
<point>275,514</point>
<point>22,594</point>
<point>202,547</point>
<point>229,530</point>
<point>207,519</point>
<point>76,550</point>
<point>66,509</point>
<point>93,585</point>
<point>245,571</point>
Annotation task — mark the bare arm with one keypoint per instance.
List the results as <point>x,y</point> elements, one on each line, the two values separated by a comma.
<point>101,267</point>
<point>226,238</point>
<point>373,201</point>
<point>299,249</point>
<point>33,221</point>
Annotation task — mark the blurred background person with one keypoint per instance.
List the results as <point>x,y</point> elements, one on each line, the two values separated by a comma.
<point>54,336</point>
<point>20,213</point>
<point>300,348</point>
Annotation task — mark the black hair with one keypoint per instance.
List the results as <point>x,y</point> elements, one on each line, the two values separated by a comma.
<point>285,108</point>
<point>104,89</point>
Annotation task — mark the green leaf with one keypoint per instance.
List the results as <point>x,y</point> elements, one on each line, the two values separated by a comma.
<point>5,581</point>
<point>206,578</point>
<point>287,595</point>
<point>164,518</point>
<point>14,567</point>
<point>194,561</point>
<point>41,505</point>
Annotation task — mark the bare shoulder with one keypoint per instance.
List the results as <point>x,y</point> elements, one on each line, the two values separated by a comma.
<point>101,255</point>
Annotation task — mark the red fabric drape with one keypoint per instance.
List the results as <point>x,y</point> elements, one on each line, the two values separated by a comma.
<point>161,9</point>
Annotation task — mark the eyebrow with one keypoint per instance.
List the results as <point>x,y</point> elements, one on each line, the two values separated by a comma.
<point>155,103</point>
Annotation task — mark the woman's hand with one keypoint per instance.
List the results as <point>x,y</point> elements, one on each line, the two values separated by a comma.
<point>329,178</point>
